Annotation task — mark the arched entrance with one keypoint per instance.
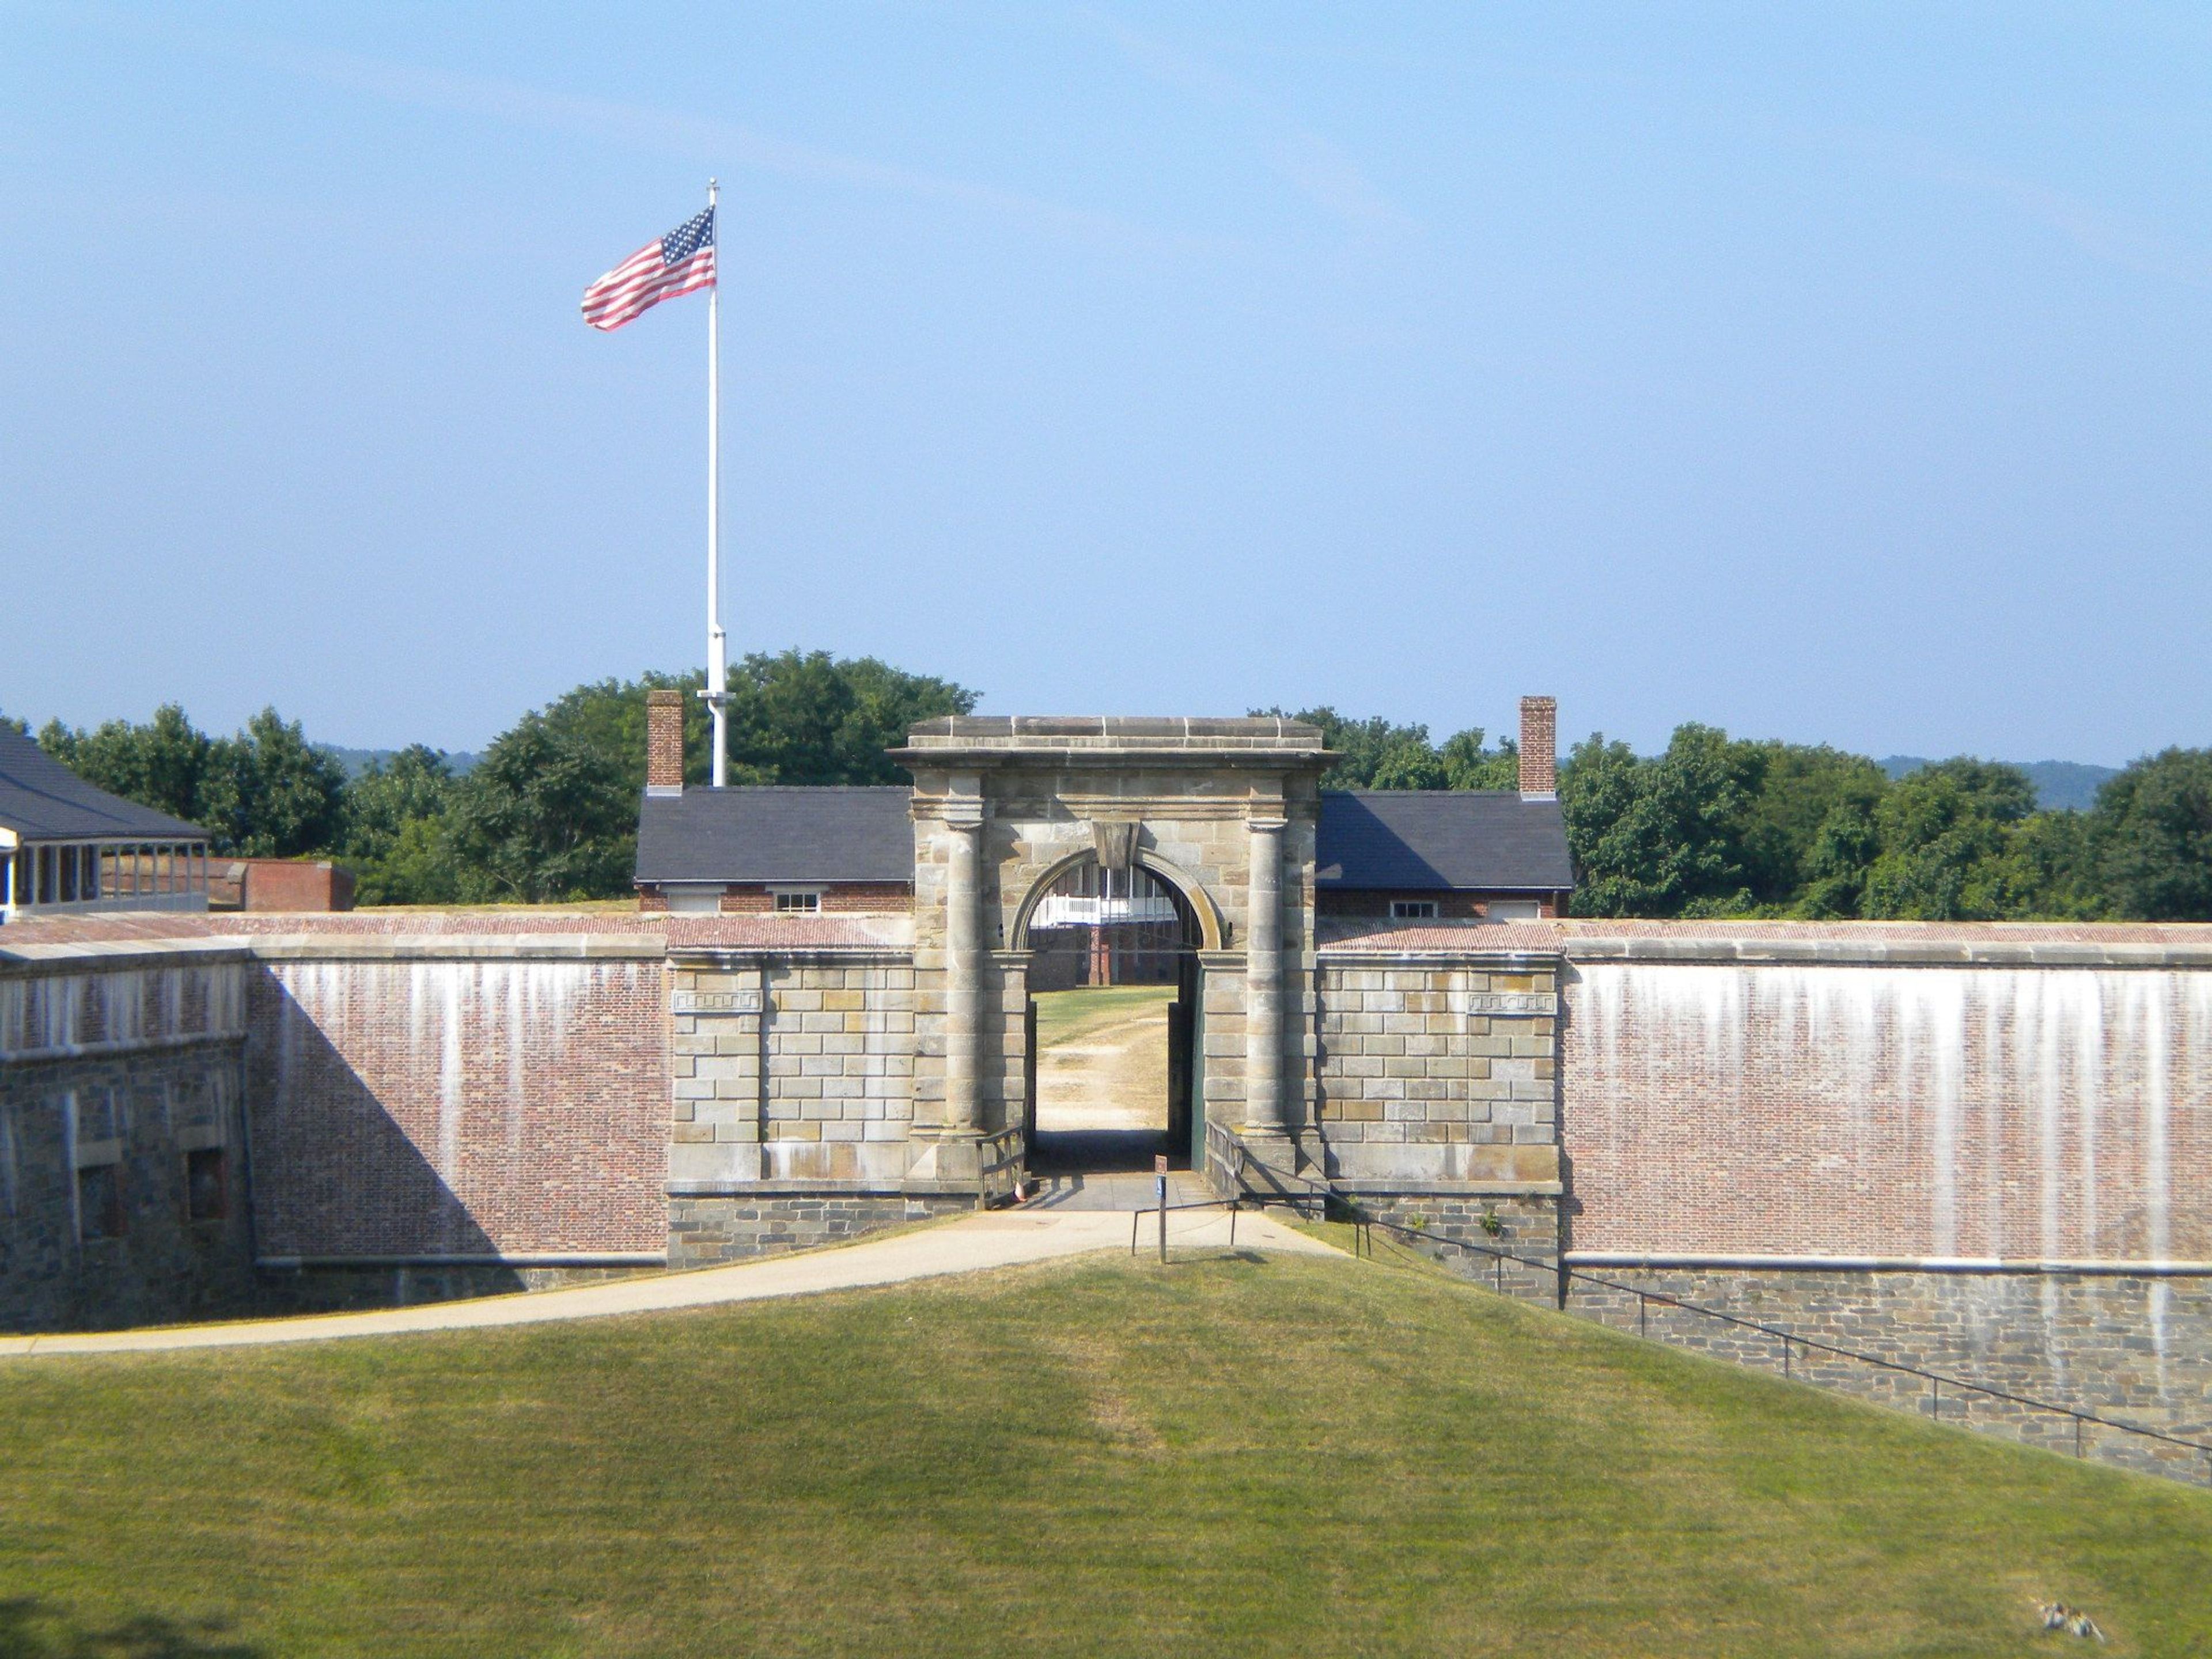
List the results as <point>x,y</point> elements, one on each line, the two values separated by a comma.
<point>1114,1023</point>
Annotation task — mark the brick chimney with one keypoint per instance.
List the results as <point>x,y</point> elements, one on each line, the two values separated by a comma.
<point>664,743</point>
<point>1539,748</point>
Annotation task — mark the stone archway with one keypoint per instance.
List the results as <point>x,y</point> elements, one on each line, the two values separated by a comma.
<point>1112,1028</point>
<point>1224,810</point>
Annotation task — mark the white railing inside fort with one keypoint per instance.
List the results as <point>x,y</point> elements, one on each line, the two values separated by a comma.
<point>1082,910</point>
<point>72,878</point>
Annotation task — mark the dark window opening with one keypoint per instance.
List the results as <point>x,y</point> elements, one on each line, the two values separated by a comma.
<point>206,1191</point>
<point>1412,910</point>
<point>99,1202</point>
<point>804,904</point>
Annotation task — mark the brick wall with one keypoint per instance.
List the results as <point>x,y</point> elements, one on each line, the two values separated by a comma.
<point>469,1099</point>
<point>2028,1113</point>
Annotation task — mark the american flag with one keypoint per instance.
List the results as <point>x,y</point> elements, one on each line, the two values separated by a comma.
<point>682,262</point>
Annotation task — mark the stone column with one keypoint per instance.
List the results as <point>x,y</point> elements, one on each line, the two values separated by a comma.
<point>963,968</point>
<point>1263,981</point>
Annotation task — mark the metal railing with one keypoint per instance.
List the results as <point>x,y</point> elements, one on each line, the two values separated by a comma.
<point>1232,1171</point>
<point>1789,1341</point>
<point>1002,1159</point>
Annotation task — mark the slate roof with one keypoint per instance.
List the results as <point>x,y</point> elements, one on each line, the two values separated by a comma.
<point>1409,840</point>
<point>41,799</point>
<point>827,832</point>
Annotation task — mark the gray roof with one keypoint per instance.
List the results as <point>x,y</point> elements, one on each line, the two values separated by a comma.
<point>41,799</point>
<point>1408,840</point>
<point>815,832</point>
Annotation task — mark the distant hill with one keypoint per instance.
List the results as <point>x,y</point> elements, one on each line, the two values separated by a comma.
<point>2059,785</point>
<point>358,761</point>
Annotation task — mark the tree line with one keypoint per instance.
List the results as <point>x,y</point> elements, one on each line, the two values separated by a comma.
<point>1712,826</point>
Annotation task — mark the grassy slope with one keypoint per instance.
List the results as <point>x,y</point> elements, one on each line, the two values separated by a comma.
<point>1232,1456</point>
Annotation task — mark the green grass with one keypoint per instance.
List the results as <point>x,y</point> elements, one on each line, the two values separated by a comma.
<point>1071,1016</point>
<point>1229,1456</point>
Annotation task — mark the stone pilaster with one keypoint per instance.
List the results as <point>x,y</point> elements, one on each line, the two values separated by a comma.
<point>964,969</point>
<point>1263,982</point>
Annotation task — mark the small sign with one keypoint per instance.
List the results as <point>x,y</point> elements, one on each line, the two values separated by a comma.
<point>716,1002</point>
<point>1160,1164</point>
<point>1511,1002</point>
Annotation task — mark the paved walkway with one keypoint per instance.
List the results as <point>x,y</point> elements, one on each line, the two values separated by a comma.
<point>1000,1239</point>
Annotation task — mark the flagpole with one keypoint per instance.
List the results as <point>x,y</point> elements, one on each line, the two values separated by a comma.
<point>718,669</point>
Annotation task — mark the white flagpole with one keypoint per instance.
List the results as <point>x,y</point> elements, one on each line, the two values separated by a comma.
<point>718,668</point>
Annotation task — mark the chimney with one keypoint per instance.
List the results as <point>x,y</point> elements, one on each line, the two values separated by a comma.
<point>1539,748</point>
<point>664,743</point>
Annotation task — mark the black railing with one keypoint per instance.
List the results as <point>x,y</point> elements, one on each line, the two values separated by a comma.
<point>1788,1341</point>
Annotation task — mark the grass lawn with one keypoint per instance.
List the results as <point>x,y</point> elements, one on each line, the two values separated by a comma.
<point>1228,1456</point>
<point>1065,1016</point>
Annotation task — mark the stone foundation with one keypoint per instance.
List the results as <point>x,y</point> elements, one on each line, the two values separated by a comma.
<point>2134,1348</point>
<point>1524,1226</point>
<point>704,1231</point>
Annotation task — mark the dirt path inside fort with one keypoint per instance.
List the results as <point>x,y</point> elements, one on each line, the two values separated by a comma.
<point>1103,1059</point>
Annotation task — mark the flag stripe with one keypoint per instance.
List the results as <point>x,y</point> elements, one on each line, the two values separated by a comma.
<point>682,262</point>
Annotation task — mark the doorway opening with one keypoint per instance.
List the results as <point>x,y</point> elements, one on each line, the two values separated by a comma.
<point>1114,1025</point>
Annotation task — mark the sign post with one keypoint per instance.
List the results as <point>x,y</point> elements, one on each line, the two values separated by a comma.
<point>1160,1181</point>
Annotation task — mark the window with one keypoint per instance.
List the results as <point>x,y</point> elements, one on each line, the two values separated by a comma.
<point>693,899</point>
<point>807,903</point>
<point>1412,910</point>
<point>99,1201</point>
<point>1515,911</point>
<point>206,1191</point>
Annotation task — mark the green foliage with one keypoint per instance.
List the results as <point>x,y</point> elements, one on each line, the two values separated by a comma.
<point>807,717</point>
<point>1656,837</point>
<point>266,792</point>
<point>2151,835</point>
<point>545,815</point>
<point>1378,755</point>
<point>159,765</point>
<point>1946,845</point>
<point>395,835</point>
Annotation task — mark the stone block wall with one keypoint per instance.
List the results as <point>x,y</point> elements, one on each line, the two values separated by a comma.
<point>2132,1348</point>
<point>1433,1072</point>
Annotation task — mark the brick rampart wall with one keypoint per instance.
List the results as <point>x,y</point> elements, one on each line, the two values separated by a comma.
<point>2016,1112</point>
<point>487,1100</point>
<point>121,1069</point>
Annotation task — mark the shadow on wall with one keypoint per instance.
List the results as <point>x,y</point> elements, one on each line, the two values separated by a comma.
<point>340,1188</point>
<point>37,1629</point>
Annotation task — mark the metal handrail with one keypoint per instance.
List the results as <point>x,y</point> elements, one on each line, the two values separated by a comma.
<point>1936,1380</point>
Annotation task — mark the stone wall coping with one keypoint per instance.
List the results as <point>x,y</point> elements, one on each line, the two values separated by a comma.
<point>2096,1267</point>
<point>823,1189</point>
<point>709,957</point>
<point>1004,733</point>
<point>1352,954</point>
<point>458,947</point>
<point>1389,1187</point>
<point>1892,952</point>
<point>23,961</point>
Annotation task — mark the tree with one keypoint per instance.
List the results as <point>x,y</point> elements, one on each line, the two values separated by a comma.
<point>159,764</point>
<point>807,717</point>
<point>544,817</point>
<point>1656,837</point>
<point>269,793</point>
<point>1378,755</point>
<point>396,835</point>
<point>2152,834</point>
<point>1946,845</point>
<point>1805,804</point>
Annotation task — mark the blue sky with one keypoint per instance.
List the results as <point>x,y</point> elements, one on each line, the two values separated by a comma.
<point>1837,373</point>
